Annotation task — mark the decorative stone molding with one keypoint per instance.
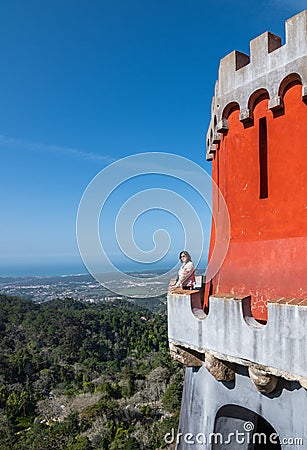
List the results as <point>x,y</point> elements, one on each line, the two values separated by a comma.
<point>241,76</point>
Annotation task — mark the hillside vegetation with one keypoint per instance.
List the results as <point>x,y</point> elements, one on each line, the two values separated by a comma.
<point>82,376</point>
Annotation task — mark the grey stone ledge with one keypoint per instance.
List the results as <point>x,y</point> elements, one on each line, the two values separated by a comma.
<point>244,362</point>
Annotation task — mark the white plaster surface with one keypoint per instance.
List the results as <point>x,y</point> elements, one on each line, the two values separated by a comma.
<point>203,396</point>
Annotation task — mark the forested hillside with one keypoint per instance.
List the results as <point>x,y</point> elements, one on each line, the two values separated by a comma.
<point>75,375</point>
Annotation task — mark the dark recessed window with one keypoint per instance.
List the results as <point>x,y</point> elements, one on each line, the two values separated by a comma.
<point>263,158</point>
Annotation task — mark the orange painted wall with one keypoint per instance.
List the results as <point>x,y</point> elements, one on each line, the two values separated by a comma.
<point>268,246</point>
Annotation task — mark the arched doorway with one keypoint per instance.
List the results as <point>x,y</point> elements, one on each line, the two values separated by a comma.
<point>240,428</point>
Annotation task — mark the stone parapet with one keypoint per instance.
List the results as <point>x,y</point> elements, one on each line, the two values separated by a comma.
<point>230,334</point>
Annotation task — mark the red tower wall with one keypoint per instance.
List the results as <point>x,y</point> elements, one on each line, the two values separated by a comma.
<point>268,245</point>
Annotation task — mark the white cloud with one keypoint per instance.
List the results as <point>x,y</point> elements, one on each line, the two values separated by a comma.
<point>68,151</point>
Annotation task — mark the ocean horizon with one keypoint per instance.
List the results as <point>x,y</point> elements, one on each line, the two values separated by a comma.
<point>58,270</point>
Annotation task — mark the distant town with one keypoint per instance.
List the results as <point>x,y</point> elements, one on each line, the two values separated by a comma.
<point>83,287</point>
<point>143,288</point>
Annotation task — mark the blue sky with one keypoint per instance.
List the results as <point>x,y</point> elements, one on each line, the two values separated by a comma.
<point>85,83</point>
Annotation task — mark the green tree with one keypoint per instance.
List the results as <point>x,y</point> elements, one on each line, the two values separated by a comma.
<point>172,396</point>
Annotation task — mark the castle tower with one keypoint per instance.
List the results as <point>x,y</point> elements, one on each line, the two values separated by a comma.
<point>246,348</point>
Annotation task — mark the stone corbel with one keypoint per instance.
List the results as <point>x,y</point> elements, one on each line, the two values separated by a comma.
<point>184,357</point>
<point>218,369</point>
<point>303,382</point>
<point>264,382</point>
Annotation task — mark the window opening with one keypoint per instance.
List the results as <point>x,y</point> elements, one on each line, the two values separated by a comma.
<point>263,158</point>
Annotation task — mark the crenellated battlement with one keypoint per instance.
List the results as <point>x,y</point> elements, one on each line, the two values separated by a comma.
<point>230,333</point>
<point>270,67</point>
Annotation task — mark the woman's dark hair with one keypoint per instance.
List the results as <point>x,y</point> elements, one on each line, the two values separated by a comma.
<point>187,254</point>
